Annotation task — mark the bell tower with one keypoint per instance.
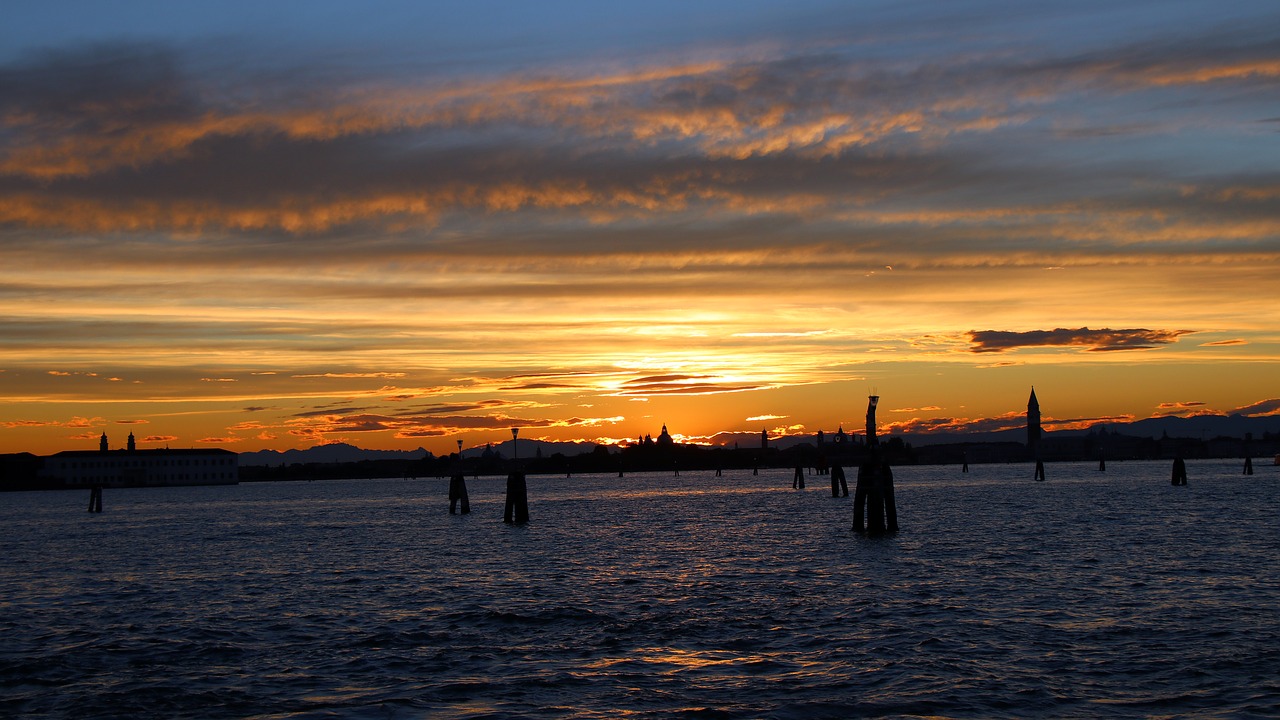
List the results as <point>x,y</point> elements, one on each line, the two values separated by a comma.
<point>1033,420</point>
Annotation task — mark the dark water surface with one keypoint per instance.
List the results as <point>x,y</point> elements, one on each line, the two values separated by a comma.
<point>1093,594</point>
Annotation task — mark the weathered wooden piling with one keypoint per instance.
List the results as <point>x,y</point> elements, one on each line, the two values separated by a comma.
<point>95,499</point>
<point>964,459</point>
<point>1248,466</point>
<point>719,472</point>
<point>1179,472</point>
<point>797,481</point>
<point>873,497</point>
<point>1039,470</point>
<point>1102,464</point>
<point>517,509</point>
<point>458,494</point>
<point>839,487</point>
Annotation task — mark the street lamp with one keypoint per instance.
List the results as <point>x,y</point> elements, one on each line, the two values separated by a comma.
<point>459,448</point>
<point>515,449</point>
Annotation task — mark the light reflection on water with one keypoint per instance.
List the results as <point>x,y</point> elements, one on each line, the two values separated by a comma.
<point>652,595</point>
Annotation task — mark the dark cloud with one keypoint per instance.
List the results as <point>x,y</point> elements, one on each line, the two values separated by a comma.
<point>121,138</point>
<point>359,423</point>
<point>656,379</point>
<point>542,386</point>
<point>329,411</point>
<point>1105,339</point>
<point>431,425</point>
<point>158,439</point>
<point>940,425</point>
<point>95,89</point>
<point>444,409</point>
<point>684,389</point>
<point>1262,407</point>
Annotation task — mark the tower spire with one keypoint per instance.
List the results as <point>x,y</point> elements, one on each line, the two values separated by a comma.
<point>1033,420</point>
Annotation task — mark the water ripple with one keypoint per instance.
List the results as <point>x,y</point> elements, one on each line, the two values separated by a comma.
<point>1093,595</point>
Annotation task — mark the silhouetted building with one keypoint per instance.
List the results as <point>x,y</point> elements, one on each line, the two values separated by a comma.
<point>1033,421</point>
<point>764,439</point>
<point>664,439</point>
<point>133,467</point>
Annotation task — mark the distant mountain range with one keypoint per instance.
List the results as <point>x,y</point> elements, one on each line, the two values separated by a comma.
<point>1202,427</point>
<point>330,453</point>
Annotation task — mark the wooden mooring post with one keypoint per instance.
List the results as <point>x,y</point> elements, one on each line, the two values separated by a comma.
<point>1248,453</point>
<point>95,499</point>
<point>458,494</point>
<point>839,486</point>
<point>517,509</point>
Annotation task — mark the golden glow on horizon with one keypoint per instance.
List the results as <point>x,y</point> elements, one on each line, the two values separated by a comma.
<point>739,237</point>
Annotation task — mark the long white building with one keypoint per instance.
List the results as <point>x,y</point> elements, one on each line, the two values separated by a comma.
<point>133,467</point>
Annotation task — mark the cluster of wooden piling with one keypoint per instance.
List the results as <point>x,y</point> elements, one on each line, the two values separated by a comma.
<point>873,499</point>
<point>95,499</point>
<point>874,508</point>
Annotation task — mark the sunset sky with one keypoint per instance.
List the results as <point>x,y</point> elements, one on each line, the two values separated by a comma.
<point>274,224</point>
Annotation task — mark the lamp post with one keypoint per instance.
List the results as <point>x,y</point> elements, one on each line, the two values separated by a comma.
<point>515,448</point>
<point>459,448</point>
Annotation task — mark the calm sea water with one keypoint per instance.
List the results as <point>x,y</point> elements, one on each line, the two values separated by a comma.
<point>1092,594</point>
